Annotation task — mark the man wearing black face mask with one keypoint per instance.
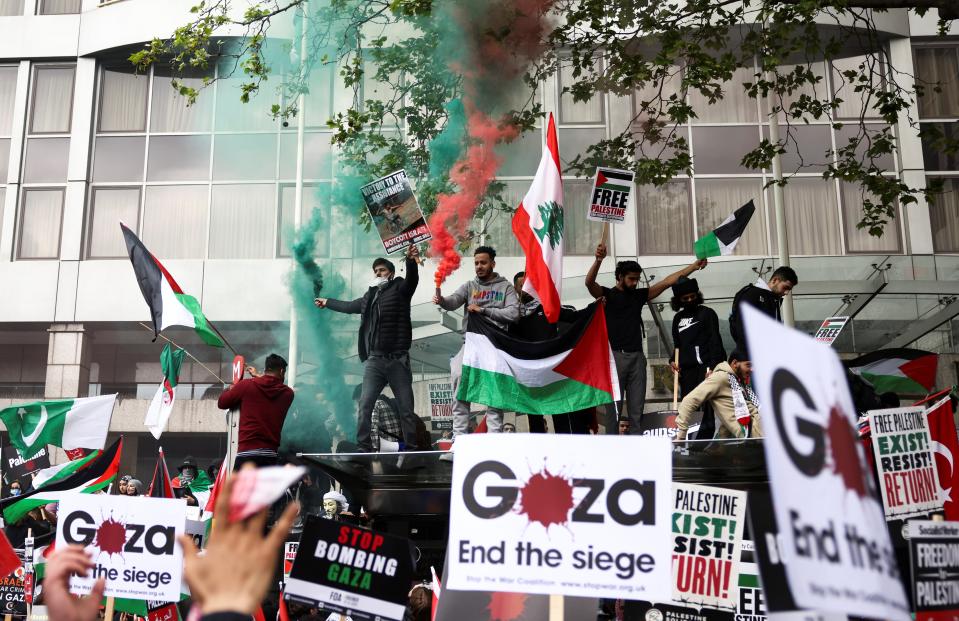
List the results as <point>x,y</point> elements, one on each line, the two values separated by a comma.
<point>386,333</point>
<point>696,336</point>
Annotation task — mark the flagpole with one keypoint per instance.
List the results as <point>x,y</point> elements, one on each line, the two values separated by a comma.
<point>192,357</point>
<point>782,239</point>
<point>222,338</point>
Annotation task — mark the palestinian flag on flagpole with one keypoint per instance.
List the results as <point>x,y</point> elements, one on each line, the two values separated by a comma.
<point>97,475</point>
<point>162,405</point>
<point>162,485</point>
<point>538,225</point>
<point>67,423</point>
<point>169,306</point>
<point>569,372</point>
<point>902,371</point>
<point>723,239</point>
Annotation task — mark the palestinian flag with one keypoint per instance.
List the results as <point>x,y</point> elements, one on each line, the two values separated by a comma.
<point>97,475</point>
<point>162,405</point>
<point>569,372</point>
<point>538,225</point>
<point>902,371</point>
<point>41,555</point>
<point>53,474</point>
<point>169,306</point>
<point>162,485</point>
<point>67,423</point>
<point>723,239</point>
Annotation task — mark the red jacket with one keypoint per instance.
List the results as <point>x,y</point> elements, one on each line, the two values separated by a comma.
<point>263,403</point>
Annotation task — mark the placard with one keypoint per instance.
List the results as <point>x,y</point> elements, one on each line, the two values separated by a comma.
<point>750,604</point>
<point>441,405</point>
<point>15,466</point>
<point>289,555</point>
<point>830,329</point>
<point>663,423</point>
<point>831,524</point>
<point>351,570</point>
<point>907,468</point>
<point>133,541</point>
<point>394,211</point>
<point>610,196</point>
<point>934,563</point>
<point>582,516</point>
<point>12,594</point>
<point>707,535</point>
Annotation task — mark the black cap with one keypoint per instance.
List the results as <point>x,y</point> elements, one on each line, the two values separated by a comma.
<point>685,286</point>
<point>739,354</point>
<point>189,462</point>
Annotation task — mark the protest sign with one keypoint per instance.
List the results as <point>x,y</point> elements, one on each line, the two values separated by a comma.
<point>162,611</point>
<point>441,405</point>
<point>658,611</point>
<point>831,525</point>
<point>907,468</point>
<point>12,596</point>
<point>934,562</point>
<point>133,541</point>
<point>394,211</point>
<point>612,190</point>
<point>351,570</point>
<point>663,423</point>
<point>15,466</point>
<point>553,514</point>
<point>830,329</point>
<point>289,554</point>
<point>707,534</point>
<point>750,605</point>
<point>197,529</point>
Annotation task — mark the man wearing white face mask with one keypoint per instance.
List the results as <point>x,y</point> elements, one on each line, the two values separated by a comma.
<point>386,333</point>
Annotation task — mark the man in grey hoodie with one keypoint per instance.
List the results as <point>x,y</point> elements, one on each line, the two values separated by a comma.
<point>493,297</point>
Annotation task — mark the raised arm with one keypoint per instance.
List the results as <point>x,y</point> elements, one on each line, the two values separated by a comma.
<point>341,306</point>
<point>412,278</point>
<point>656,289</point>
<point>452,301</point>
<point>594,289</point>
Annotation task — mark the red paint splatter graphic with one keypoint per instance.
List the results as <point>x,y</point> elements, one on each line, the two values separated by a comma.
<point>506,606</point>
<point>845,458</point>
<point>546,498</point>
<point>111,536</point>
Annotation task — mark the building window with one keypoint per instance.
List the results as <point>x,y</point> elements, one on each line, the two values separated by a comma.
<point>8,89</point>
<point>736,105</point>
<point>11,7</point>
<point>944,217</point>
<point>174,220</point>
<point>579,234</point>
<point>109,207</point>
<point>123,100</point>
<point>40,220</point>
<point>717,199</point>
<point>859,240</point>
<point>314,197</point>
<point>936,159</point>
<point>571,111</point>
<point>52,99</point>
<point>59,7</point>
<point>938,66</point>
<point>812,218</point>
<point>857,104</point>
<point>719,150</point>
<point>242,220</point>
<point>664,219</point>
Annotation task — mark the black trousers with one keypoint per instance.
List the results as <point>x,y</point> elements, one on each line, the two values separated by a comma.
<point>378,371</point>
<point>576,423</point>
<point>689,378</point>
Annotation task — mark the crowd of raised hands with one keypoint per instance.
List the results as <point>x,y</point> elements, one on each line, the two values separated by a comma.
<point>228,580</point>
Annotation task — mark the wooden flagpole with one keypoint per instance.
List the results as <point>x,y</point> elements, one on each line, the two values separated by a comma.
<point>192,357</point>
<point>556,608</point>
<point>676,381</point>
<point>108,611</point>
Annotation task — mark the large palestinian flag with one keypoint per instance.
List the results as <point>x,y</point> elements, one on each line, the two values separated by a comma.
<point>569,372</point>
<point>95,476</point>
<point>169,306</point>
<point>905,371</point>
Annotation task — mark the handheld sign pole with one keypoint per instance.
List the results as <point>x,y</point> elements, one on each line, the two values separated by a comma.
<point>605,234</point>
<point>676,382</point>
<point>556,612</point>
<point>108,611</point>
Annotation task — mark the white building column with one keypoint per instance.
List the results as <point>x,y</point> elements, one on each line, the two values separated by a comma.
<point>68,361</point>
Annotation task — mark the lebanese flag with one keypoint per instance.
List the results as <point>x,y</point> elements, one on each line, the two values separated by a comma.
<point>945,446</point>
<point>161,486</point>
<point>538,225</point>
<point>569,372</point>
<point>169,306</point>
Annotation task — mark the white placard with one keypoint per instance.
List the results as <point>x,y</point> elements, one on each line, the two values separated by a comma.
<point>907,468</point>
<point>133,541</point>
<point>553,514</point>
<point>835,546</point>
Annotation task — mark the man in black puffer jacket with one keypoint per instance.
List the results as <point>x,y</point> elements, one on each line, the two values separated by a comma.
<point>386,333</point>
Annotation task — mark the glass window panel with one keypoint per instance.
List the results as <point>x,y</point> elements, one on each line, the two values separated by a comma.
<point>233,114</point>
<point>179,158</point>
<point>859,240</point>
<point>238,157</point>
<point>935,159</point>
<point>818,91</point>
<point>717,199</point>
<point>379,90</point>
<point>571,111</point>
<point>4,159</point>
<point>59,7</point>
<point>8,89</point>
<point>664,219</point>
<point>317,156</point>
<point>853,130</point>
<point>735,106</point>
<point>123,101</point>
<point>499,224</point>
<point>314,197</point>
<point>242,221</point>
<point>580,235</point>
<point>521,157</point>
<point>576,141</point>
<point>11,7</point>
<point>318,102</point>
<point>169,110</point>
<point>812,221</point>
<point>856,105</point>
<point>110,206</point>
<point>40,224</point>
<point>938,66</point>
<point>719,150</point>
<point>52,100</point>
<point>46,160</point>
<point>806,147</point>
<point>3,198</point>
<point>944,217</point>
<point>651,92</point>
<point>288,156</point>
<point>118,158</point>
<point>174,221</point>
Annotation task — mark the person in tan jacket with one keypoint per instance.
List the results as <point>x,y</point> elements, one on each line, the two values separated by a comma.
<point>729,406</point>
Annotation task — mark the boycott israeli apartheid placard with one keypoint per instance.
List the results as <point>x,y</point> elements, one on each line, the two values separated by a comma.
<point>934,561</point>
<point>609,200</point>
<point>707,534</point>
<point>133,541</point>
<point>441,405</point>
<point>907,468</point>
<point>394,211</point>
<point>551,514</point>
<point>351,570</point>
<point>836,550</point>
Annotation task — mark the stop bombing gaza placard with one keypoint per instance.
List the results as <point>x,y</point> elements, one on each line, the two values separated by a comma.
<point>907,468</point>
